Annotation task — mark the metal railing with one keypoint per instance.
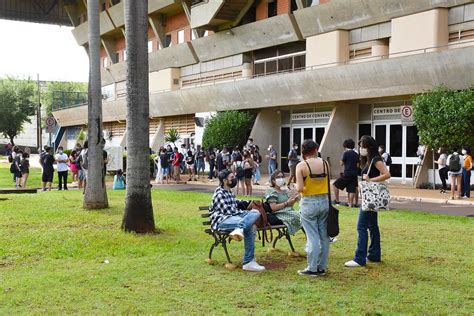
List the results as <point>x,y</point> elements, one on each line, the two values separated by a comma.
<point>66,99</point>
<point>63,100</point>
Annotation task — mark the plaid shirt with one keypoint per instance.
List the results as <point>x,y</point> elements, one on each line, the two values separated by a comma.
<point>223,206</point>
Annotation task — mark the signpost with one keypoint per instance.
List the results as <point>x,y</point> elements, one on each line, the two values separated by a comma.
<point>50,127</point>
<point>406,113</point>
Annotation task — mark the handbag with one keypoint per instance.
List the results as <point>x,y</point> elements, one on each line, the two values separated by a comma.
<point>333,213</point>
<point>375,195</point>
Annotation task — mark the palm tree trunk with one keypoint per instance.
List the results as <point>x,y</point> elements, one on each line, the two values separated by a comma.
<point>96,195</point>
<point>138,215</point>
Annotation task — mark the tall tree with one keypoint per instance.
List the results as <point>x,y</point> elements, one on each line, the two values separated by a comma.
<point>16,106</point>
<point>96,195</point>
<point>138,215</point>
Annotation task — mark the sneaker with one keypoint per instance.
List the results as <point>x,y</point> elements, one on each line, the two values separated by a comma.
<point>336,202</point>
<point>332,240</point>
<point>355,206</point>
<point>321,272</point>
<point>352,264</point>
<point>237,234</point>
<point>464,197</point>
<point>253,266</point>
<point>306,272</point>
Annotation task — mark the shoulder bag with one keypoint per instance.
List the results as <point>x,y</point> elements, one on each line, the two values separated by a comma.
<point>375,195</point>
<point>333,214</point>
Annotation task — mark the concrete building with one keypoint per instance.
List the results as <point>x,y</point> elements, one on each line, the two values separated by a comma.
<point>326,70</point>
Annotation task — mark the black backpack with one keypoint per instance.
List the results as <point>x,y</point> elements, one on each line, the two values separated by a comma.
<point>454,163</point>
<point>389,160</point>
<point>240,170</point>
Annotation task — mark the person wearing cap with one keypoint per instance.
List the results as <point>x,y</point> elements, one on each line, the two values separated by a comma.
<point>226,215</point>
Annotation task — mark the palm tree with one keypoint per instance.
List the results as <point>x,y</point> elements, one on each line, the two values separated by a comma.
<point>96,195</point>
<point>138,215</point>
<point>172,136</point>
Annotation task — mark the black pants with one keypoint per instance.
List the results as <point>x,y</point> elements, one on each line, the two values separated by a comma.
<point>62,175</point>
<point>443,175</point>
<point>211,169</point>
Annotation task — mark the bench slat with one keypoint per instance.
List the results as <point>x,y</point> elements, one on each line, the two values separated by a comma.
<point>205,215</point>
<point>203,208</point>
<point>207,223</point>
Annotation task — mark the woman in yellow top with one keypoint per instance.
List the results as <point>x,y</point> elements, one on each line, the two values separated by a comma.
<point>466,173</point>
<point>312,183</point>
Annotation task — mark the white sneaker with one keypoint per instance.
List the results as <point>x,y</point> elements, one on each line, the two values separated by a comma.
<point>352,264</point>
<point>253,266</point>
<point>237,234</point>
<point>332,240</point>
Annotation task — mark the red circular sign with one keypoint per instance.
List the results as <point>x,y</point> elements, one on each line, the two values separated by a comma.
<point>406,111</point>
<point>50,121</point>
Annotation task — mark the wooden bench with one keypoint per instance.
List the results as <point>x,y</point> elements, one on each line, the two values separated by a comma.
<point>17,191</point>
<point>222,238</point>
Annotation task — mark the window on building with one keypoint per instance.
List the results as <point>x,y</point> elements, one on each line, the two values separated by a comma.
<point>114,2</point>
<point>124,55</point>
<point>117,56</point>
<point>180,36</point>
<point>193,37</point>
<point>168,40</point>
<point>150,46</point>
<point>206,34</point>
<point>103,6</point>
<point>294,5</point>
<point>272,8</point>
<point>105,62</point>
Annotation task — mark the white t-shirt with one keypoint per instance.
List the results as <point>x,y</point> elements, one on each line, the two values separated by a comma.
<point>62,166</point>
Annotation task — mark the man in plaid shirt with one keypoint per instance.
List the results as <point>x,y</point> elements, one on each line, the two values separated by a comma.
<point>226,216</point>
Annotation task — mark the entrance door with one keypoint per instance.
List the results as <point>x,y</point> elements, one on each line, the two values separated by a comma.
<point>300,134</point>
<point>401,142</point>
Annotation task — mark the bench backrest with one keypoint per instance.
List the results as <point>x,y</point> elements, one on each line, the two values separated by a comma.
<point>205,215</point>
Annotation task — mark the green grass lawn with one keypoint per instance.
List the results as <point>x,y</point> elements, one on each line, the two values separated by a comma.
<point>52,255</point>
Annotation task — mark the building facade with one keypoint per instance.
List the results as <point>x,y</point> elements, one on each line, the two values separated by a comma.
<point>326,70</point>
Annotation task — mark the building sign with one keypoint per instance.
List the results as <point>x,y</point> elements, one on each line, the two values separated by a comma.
<point>394,110</point>
<point>311,116</point>
<point>406,112</point>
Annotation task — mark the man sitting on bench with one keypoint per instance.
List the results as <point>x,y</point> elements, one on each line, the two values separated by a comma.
<point>225,215</point>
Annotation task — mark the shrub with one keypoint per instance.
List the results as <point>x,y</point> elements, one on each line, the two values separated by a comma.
<point>230,128</point>
<point>445,117</point>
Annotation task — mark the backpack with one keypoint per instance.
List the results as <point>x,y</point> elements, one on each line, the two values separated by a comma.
<point>10,158</point>
<point>389,160</point>
<point>240,170</point>
<point>180,157</point>
<point>454,163</point>
<point>13,168</point>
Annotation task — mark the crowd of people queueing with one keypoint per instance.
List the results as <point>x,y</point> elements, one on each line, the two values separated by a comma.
<point>244,162</point>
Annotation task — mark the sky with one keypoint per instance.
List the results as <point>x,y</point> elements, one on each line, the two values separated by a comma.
<point>28,49</point>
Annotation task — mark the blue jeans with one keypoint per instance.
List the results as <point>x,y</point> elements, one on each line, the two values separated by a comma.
<point>368,221</point>
<point>257,175</point>
<point>314,217</point>
<point>466,183</point>
<point>244,221</point>
<point>271,167</point>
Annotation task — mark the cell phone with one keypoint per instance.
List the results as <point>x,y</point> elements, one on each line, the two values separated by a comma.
<point>298,197</point>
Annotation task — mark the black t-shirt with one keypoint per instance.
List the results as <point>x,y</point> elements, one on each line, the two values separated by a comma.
<point>164,161</point>
<point>374,172</point>
<point>48,162</point>
<point>350,159</point>
<point>220,162</point>
<point>169,154</point>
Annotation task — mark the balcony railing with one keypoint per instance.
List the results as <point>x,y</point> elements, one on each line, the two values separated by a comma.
<point>63,100</point>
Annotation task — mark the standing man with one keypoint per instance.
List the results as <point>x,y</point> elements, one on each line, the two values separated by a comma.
<point>61,160</point>
<point>272,160</point>
<point>177,164</point>
<point>292,162</point>
<point>48,170</point>
<point>211,158</point>
<point>348,178</point>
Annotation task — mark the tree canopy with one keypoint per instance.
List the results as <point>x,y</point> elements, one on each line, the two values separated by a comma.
<point>445,117</point>
<point>16,105</point>
<point>230,128</point>
<point>68,87</point>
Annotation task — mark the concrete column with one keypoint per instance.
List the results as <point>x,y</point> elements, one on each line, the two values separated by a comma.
<point>418,31</point>
<point>327,48</point>
<point>247,70</point>
<point>156,23</point>
<point>341,126</point>
<point>109,46</point>
<point>159,137</point>
<point>265,132</point>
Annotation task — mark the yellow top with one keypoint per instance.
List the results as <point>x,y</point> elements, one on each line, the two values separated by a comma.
<point>315,184</point>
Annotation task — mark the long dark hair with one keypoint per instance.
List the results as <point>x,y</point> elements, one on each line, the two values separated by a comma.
<point>369,142</point>
<point>309,147</point>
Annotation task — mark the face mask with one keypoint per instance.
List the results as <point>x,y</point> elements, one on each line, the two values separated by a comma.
<point>439,151</point>
<point>269,148</point>
<point>280,182</point>
<point>364,152</point>
<point>464,152</point>
<point>295,148</point>
<point>60,152</point>
<point>233,183</point>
